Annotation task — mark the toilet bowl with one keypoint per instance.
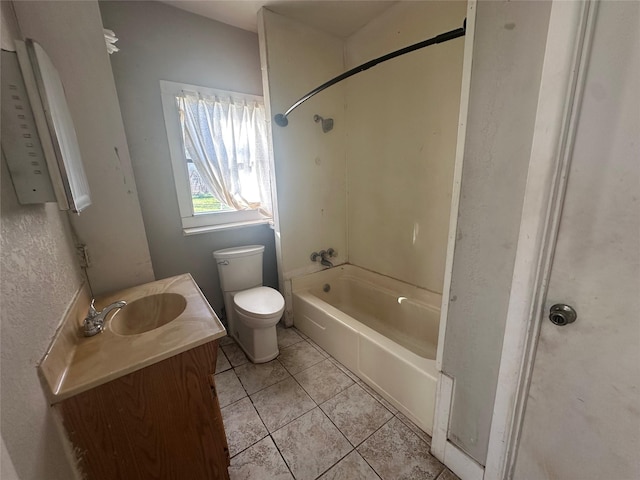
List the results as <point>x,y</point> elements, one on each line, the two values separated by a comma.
<point>252,309</point>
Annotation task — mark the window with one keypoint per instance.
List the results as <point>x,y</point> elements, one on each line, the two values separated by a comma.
<point>220,156</point>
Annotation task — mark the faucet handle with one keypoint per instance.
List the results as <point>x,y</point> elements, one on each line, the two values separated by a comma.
<point>92,309</point>
<point>331,252</point>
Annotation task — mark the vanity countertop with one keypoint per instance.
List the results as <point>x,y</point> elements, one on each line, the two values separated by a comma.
<point>75,363</point>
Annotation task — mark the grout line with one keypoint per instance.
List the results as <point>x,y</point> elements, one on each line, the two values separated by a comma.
<point>360,383</point>
<point>360,444</point>
<point>263,388</point>
<point>337,462</point>
<point>293,420</point>
<point>373,433</point>
<point>324,401</point>
<point>375,396</point>
<point>247,448</point>
<point>410,428</point>
<point>366,388</point>
<point>308,367</point>
<point>282,456</point>
<point>259,418</point>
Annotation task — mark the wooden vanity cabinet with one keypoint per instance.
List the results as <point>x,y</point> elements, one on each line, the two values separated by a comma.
<point>160,422</point>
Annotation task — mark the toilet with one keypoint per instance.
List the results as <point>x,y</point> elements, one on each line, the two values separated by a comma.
<point>252,310</point>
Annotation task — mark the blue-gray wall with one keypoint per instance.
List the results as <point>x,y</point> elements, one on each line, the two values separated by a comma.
<point>160,42</point>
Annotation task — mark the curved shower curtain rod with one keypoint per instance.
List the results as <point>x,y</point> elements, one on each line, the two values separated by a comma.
<point>281,119</point>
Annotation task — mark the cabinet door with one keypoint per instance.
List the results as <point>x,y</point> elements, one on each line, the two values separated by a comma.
<point>159,422</point>
<point>219,426</point>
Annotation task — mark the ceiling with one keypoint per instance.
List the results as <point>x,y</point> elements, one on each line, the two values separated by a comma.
<point>341,18</point>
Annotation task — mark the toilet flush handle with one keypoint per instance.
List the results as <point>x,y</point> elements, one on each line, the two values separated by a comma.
<point>224,262</point>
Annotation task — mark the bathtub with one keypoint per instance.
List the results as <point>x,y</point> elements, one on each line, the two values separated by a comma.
<point>383,330</point>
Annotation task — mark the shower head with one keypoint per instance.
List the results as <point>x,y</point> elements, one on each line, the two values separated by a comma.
<point>281,120</point>
<point>327,123</point>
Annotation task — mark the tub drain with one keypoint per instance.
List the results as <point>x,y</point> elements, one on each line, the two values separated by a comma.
<point>326,287</point>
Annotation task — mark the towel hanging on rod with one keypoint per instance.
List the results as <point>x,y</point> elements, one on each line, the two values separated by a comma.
<point>281,119</point>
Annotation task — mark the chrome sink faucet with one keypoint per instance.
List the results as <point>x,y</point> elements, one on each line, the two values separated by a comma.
<point>94,321</point>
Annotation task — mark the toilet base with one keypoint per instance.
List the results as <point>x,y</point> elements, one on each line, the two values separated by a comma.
<point>260,345</point>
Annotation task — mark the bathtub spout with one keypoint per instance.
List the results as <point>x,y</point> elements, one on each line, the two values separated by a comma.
<point>324,258</point>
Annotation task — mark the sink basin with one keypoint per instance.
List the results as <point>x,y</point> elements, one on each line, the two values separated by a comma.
<point>162,319</point>
<point>147,313</point>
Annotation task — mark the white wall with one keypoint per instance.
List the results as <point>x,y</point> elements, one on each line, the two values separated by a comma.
<point>509,45</point>
<point>401,136</point>
<point>582,417</point>
<point>160,42</point>
<point>310,165</point>
<point>71,33</point>
<point>7,470</point>
<point>40,277</point>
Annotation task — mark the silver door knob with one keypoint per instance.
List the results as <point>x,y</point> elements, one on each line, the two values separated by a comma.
<point>561,314</point>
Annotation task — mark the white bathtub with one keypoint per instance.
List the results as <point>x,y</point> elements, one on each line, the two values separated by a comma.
<point>383,330</point>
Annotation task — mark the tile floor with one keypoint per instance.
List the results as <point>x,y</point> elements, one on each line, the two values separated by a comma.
<point>305,416</point>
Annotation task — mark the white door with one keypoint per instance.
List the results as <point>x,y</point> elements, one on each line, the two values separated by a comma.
<point>582,417</point>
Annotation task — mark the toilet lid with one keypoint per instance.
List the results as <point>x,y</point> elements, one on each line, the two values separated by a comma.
<point>261,302</point>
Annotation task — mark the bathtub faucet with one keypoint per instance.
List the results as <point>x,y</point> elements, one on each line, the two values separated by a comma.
<point>323,256</point>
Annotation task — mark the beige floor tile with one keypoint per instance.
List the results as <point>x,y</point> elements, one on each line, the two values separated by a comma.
<point>260,462</point>
<point>287,336</point>
<point>345,370</point>
<point>311,444</point>
<point>414,428</point>
<point>318,347</point>
<point>378,397</point>
<point>299,357</point>
<point>222,364</point>
<point>301,333</point>
<point>323,381</point>
<point>281,403</point>
<point>356,413</point>
<point>351,467</point>
<point>234,354</point>
<point>228,388</point>
<point>396,453</point>
<point>242,425</point>
<point>448,475</point>
<point>256,376</point>
<point>227,340</point>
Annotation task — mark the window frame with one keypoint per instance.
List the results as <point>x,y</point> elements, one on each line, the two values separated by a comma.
<point>193,223</point>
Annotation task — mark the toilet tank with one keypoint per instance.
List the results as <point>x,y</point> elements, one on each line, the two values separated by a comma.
<point>239,268</point>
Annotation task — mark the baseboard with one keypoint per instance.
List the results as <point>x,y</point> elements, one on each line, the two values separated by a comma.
<point>444,395</point>
<point>462,464</point>
<point>453,457</point>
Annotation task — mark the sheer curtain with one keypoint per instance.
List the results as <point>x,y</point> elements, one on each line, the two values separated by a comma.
<point>227,140</point>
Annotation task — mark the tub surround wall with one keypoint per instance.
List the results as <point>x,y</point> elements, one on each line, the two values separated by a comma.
<point>402,121</point>
<point>160,42</point>
<point>510,39</point>
<point>378,187</point>
<point>71,33</point>
<point>310,164</point>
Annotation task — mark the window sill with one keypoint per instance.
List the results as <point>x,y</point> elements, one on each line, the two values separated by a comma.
<point>225,226</point>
